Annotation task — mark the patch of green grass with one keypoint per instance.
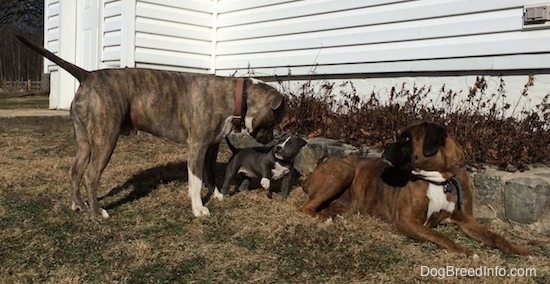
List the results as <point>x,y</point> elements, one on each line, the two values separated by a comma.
<point>218,229</point>
<point>186,269</point>
<point>181,272</point>
<point>24,101</point>
<point>252,241</point>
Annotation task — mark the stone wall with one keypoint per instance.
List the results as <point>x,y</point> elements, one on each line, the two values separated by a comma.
<point>519,197</point>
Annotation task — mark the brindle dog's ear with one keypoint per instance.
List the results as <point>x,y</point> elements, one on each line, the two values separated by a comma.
<point>277,101</point>
<point>435,137</point>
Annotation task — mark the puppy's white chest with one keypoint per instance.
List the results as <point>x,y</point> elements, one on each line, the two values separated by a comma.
<point>279,171</point>
<point>438,200</point>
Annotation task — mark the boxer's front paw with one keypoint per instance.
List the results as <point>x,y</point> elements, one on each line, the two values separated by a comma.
<point>201,211</point>
<point>265,183</point>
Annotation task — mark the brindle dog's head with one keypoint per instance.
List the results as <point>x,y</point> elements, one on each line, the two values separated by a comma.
<point>266,107</point>
<point>424,146</point>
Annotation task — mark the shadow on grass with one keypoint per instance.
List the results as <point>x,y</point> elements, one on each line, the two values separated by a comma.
<point>146,181</point>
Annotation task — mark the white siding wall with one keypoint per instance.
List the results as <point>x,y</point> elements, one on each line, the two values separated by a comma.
<point>380,36</point>
<point>174,34</point>
<point>111,50</point>
<point>59,37</point>
<point>51,42</point>
<point>51,31</point>
<point>382,42</point>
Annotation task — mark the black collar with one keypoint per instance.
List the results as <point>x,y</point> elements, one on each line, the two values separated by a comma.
<point>448,187</point>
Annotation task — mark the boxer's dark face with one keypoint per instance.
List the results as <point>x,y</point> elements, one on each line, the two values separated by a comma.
<point>398,154</point>
<point>416,144</point>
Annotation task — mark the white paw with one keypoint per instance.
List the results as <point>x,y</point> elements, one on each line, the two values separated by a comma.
<point>218,194</point>
<point>104,213</point>
<point>265,183</point>
<point>201,211</point>
<point>475,256</point>
<point>75,207</point>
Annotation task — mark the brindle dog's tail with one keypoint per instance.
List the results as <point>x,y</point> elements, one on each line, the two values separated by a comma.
<point>231,146</point>
<point>79,73</point>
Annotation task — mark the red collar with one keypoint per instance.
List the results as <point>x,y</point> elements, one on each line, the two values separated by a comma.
<point>239,111</point>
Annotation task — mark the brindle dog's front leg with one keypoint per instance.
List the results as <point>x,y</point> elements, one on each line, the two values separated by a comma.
<point>195,167</point>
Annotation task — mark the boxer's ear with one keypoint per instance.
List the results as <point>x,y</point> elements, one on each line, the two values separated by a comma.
<point>435,137</point>
<point>276,101</point>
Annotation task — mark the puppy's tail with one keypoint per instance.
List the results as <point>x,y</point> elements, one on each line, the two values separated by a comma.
<point>79,73</point>
<point>231,146</point>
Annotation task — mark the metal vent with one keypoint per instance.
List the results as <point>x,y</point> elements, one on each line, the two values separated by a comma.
<point>537,16</point>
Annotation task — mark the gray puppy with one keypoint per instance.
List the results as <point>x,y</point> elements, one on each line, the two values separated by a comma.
<point>265,163</point>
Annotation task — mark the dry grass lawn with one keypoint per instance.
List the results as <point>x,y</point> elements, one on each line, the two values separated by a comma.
<point>152,237</point>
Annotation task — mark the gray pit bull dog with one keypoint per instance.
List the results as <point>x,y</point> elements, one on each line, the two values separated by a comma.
<point>195,109</point>
<point>265,163</point>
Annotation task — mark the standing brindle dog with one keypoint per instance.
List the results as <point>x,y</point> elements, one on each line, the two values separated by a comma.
<point>195,109</point>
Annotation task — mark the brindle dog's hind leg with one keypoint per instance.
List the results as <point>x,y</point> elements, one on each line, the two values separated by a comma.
<point>80,162</point>
<point>101,127</point>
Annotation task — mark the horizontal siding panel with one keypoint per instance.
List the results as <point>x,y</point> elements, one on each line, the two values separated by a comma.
<point>506,20</point>
<point>112,38</point>
<point>226,6</point>
<point>173,15</point>
<point>298,9</point>
<point>111,53</point>
<point>497,44</point>
<point>52,38</point>
<point>112,9</point>
<point>205,6</point>
<point>170,58</point>
<point>173,44</point>
<point>53,9</point>
<point>112,24</point>
<point>53,22</point>
<point>111,64</point>
<point>381,69</point>
<point>170,68</point>
<point>173,29</point>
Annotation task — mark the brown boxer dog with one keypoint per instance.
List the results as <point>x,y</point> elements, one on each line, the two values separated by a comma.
<point>418,183</point>
<point>195,109</point>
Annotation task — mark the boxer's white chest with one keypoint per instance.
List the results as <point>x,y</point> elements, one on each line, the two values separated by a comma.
<point>438,200</point>
<point>279,171</point>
